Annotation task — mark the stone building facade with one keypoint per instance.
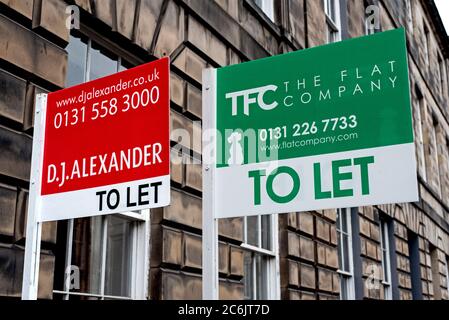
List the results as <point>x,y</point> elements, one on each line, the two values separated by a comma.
<point>396,251</point>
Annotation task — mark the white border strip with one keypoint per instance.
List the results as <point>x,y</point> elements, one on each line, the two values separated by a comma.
<point>60,206</point>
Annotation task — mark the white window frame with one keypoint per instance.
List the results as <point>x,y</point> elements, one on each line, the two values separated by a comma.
<point>346,276</point>
<point>88,60</point>
<point>420,115</point>
<point>333,27</point>
<point>267,6</point>
<point>273,272</point>
<point>368,30</point>
<point>386,263</point>
<point>140,236</point>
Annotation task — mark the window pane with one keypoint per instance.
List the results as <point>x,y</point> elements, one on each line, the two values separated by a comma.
<point>341,252</point>
<point>77,53</point>
<point>385,267</point>
<point>344,220</point>
<point>87,252</point>
<point>124,65</point>
<point>266,231</point>
<point>267,7</point>
<point>248,276</point>
<point>118,257</point>
<point>102,63</point>
<point>384,243</point>
<point>262,277</point>
<point>344,295</point>
<point>252,231</point>
<point>330,7</point>
<point>346,255</point>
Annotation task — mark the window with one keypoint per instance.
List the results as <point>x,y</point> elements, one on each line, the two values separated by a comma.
<point>261,277</point>
<point>420,118</point>
<point>345,254</point>
<point>384,225</point>
<point>267,7</point>
<point>109,253</point>
<point>415,266</point>
<point>442,73</point>
<point>426,45</point>
<point>368,28</point>
<point>89,61</point>
<point>332,10</point>
<point>447,275</point>
<point>435,267</point>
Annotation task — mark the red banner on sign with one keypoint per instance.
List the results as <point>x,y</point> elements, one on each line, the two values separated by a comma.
<point>108,131</point>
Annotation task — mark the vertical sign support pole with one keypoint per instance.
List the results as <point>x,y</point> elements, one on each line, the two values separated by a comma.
<point>34,225</point>
<point>209,153</point>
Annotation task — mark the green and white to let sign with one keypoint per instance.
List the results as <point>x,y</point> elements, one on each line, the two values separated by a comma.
<point>320,128</point>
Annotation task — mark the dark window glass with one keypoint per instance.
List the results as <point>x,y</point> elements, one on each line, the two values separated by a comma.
<point>77,56</point>
<point>266,231</point>
<point>102,63</point>
<point>118,257</point>
<point>252,234</point>
<point>415,267</point>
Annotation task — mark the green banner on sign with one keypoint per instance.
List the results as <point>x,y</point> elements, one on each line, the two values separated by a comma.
<point>338,97</point>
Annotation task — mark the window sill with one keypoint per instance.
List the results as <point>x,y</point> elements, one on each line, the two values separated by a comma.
<point>344,273</point>
<point>258,250</point>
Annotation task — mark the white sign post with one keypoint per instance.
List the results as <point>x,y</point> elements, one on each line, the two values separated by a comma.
<point>210,222</point>
<point>33,223</point>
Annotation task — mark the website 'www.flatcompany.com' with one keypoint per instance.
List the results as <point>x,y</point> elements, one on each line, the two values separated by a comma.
<point>299,143</point>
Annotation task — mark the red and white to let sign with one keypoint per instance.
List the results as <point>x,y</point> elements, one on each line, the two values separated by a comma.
<point>106,145</point>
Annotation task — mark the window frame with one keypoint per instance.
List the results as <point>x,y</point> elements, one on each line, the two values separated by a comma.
<point>333,27</point>
<point>447,275</point>
<point>272,267</point>
<point>435,270</point>
<point>426,44</point>
<point>442,73</point>
<point>368,30</point>
<point>347,278</point>
<point>415,264</point>
<point>386,256</point>
<point>140,237</point>
<point>267,7</point>
<point>421,114</point>
<point>140,231</point>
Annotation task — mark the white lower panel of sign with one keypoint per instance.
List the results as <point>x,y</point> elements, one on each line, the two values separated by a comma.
<point>117,198</point>
<point>346,179</point>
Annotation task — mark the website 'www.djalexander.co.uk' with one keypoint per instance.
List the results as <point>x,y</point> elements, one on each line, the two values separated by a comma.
<point>299,143</point>
<point>120,85</point>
